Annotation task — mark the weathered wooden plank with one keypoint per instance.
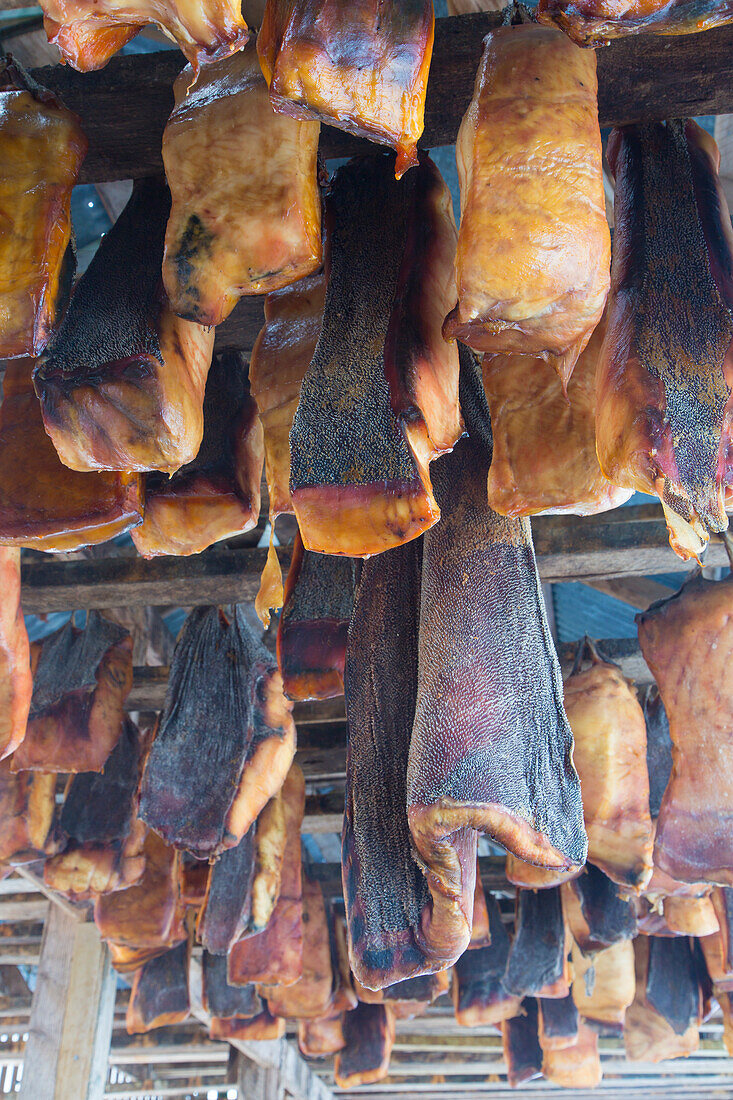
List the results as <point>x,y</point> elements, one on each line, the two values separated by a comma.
<point>638,592</point>
<point>258,1082</point>
<point>124,106</point>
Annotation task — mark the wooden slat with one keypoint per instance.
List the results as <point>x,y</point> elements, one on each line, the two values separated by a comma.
<point>124,106</point>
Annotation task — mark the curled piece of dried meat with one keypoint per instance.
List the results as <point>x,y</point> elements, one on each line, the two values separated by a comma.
<point>369,1033</point>
<point>479,996</point>
<point>663,414</point>
<point>122,381</point>
<point>595,22</point>
<point>217,495</point>
<point>246,208</point>
<point>532,267</point>
<point>41,148</point>
<point>160,994</point>
<point>538,957</point>
<point>357,64</point>
<point>16,682</point>
<point>536,878</point>
<point>81,679</point>
<point>380,398</point>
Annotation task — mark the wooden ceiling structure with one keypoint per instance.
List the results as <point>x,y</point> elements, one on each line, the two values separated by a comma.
<point>70,1031</point>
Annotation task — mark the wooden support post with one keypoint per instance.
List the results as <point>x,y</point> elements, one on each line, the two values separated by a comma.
<point>258,1082</point>
<point>71,1015</point>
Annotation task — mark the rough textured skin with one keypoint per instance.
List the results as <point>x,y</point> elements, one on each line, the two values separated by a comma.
<point>311,996</point>
<point>400,923</point>
<point>103,838</point>
<point>369,1033</point>
<point>522,1051</point>
<point>576,1066</point>
<point>479,996</point>
<point>228,901</point>
<point>544,460</point>
<point>43,504</point>
<point>160,995</point>
<point>217,496</point>
<point>538,957</point>
<point>380,398</point>
<point>691,916</point>
<point>558,1022</point>
<point>89,32</point>
<point>491,747</point>
<point>225,737</point>
<point>658,747</point>
<point>148,915</point>
<point>27,814</point>
<point>16,682</point>
<point>122,381</point>
<point>422,990</point>
<point>81,679</point>
<point>246,211</point>
<point>41,150</point>
<point>687,642</point>
<point>596,914</point>
<point>321,1037</point>
<point>532,269</point>
<point>222,1000</point>
<point>536,878</point>
<point>596,22</point>
<point>663,414</point>
<point>275,956</point>
<point>261,1026</point>
<point>610,756</point>
<point>672,986</point>
<point>480,928</point>
<point>604,984</point>
<point>311,635</point>
<point>648,1035</point>
<point>360,65</point>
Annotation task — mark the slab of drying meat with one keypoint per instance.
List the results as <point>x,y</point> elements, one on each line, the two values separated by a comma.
<point>222,1000</point>
<point>311,996</point>
<point>225,737</point>
<point>246,207</point>
<point>538,958</point>
<point>532,268</point>
<point>558,1022</point>
<point>658,747</point>
<point>604,984</point>
<point>596,913</point>
<point>16,683</point>
<point>261,1026</point>
<point>275,955</point>
<point>522,1050</point>
<point>687,642</point>
<point>122,381</point>
<point>369,1033</point>
<point>400,923</point>
<point>491,747</point>
<point>479,996</point>
<point>27,814</point>
<point>81,679</point>
<point>662,1022</point>
<point>544,460</point>
<point>690,916</point>
<point>103,838</point>
<point>89,32</point>
<point>357,64</point>
<point>595,22</point>
<point>160,994</point>
<point>380,398</point>
<point>610,754</point>
<point>311,635</point>
<point>321,1037</point>
<point>577,1065</point>
<point>217,495</point>
<point>42,147</point>
<point>665,372</point>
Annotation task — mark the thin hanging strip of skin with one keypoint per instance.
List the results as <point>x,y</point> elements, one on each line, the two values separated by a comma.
<point>16,682</point>
<point>479,996</point>
<point>246,208</point>
<point>522,1050</point>
<point>360,65</point>
<point>160,994</point>
<point>596,914</point>
<point>538,958</point>
<point>400,924</point>
<point>369,1033</point>
<point>663,414</point>
<point>480,927</point>
<point>491,748</point>
<point>604,984</point>
<point>532,267</point>
<point>380,398</point>
<point>687,642</point>
<point>596,22</point>
<point>228,901</point>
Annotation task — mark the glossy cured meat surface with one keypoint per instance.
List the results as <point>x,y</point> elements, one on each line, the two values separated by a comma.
<point>246,209</point>
<point>491,747</point>
<point>595,22</point>
<point>16,683</point>
<point>531,877</point>
<point>596,913</point>
<point>311,996</point>
<point>522,1051</point>
<point>604,983</point>
<point>479,996</point>
<point>544,460</point>
<point>687,642</point>
<point>122,382</point>
<point>610,755</point>
<point>261,1026</point>
<point>27,814</point>
<point>648,1035</point>
<point>311,635</point>
<point>532,268</point>
<point>321,1037</point>
<point>558,1022</point>
<point>41,150</point>
<point>663,417</point>
<point>81,679</point>
<point>690,916</point>
<point>369,1033</point>
<point>89,32</point>
<point>217,496</point>
<point>537,962</point>
<point>575,1066</point>
<point>160,995</point>
<point>380,398</point>
<point>228,901</point>
<point>358,64</point>
<point>43,504</point>
<point>103,838</point>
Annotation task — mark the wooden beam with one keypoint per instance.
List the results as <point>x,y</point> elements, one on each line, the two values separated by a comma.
<point>124,107</point>
<point>258,1082</point>
<point>71,1016</point>
<point>638,592</point>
